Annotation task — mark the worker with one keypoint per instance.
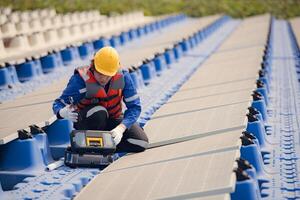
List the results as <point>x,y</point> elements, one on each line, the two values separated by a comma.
<point>93,101</point>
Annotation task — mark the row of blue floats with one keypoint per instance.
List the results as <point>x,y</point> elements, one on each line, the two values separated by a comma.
<point>41,146</point>
<point>32,68</point>
<point>250,174</point>
<point>257,153</point>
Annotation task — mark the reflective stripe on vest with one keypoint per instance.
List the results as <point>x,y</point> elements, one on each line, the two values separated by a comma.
<point>96,94</point>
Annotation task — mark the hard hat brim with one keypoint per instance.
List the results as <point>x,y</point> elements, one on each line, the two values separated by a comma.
<point>99,69</point>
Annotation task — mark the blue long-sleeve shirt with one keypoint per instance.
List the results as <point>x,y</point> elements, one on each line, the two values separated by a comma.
<point>76,88</point>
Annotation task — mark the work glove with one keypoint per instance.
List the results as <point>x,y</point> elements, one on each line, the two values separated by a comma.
<point>68,112</point>
<point>117,133</point>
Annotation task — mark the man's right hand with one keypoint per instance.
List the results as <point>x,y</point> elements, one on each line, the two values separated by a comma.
<point>68,112</point>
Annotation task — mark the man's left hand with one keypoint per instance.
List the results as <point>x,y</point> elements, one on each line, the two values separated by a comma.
<point>117,133</point>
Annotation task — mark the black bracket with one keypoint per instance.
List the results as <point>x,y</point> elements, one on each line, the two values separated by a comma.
<point>241,175</point>
<point>246,141</point>
<point>253,110</point>
<point>252,118</point>
<point>256,96</point>
<point>23,134</point>
<point>262,73</point>
<point>243,164</point>
<point>249,135</point>
<point>260,84</point>
<point>34,129</point>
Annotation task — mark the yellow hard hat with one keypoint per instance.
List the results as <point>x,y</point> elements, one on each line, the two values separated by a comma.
<point>107,61</point>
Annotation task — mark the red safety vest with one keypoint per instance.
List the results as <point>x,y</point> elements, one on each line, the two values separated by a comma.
<point>96,94</point>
